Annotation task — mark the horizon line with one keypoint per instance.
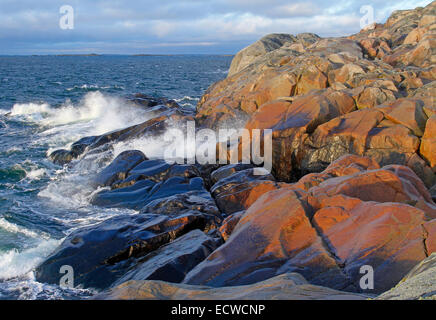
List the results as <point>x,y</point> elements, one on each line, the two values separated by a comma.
<point>113,54</point>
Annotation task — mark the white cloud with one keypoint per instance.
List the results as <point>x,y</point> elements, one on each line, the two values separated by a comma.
<point>170,23</point>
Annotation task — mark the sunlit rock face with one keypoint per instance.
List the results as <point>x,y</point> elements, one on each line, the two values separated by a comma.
<point>369,94</point>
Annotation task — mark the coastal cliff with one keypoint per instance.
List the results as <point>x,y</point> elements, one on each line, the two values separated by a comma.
<point>353,179</point>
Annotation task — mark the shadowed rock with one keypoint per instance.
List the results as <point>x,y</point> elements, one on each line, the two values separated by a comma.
<point>174,260</point>
<point>418,284</point>
<point>103,253</point>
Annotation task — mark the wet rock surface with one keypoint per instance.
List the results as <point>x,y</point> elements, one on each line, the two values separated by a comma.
<point>174,260</point>
<point>103,253</point>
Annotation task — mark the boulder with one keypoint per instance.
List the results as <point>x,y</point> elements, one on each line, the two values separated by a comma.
<point>119,168</point>
<point>229,224</point>
<point>292,123</point>
<point>249,55</point>
<point>343,135</point>
<point>386,236</point>
<point>61,156</point>
<point>227,170</point>
<point>274,236</point>
<point>145,191</point>
<point>410,114</point>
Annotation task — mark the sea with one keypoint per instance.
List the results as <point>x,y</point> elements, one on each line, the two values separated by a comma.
<point>49,102</point>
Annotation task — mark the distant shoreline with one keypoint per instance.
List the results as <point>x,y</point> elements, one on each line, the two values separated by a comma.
<point>116,54</point>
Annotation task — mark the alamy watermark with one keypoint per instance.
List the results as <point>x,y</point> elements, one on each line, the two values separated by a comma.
<point>368,16</point>
<point>66,21</point>
<point>367,280</point>
<point>67,280</point>
<point>234,146</point>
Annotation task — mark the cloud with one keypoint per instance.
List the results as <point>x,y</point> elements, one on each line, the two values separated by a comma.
<point>169,26</point>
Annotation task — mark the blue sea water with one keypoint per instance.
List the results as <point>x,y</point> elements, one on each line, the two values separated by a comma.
<point>48,102</point>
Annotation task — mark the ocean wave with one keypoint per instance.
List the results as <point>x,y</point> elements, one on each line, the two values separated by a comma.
<point>91,87</point>
<point>220,71</point>
<point>95,114</point>
<point>14,173</point>
<point>13,150</point>
<point>27,288</point>
<point>187,98</point>
<point>13,228</point>
<point>36,174</point>
<point>14,263</point>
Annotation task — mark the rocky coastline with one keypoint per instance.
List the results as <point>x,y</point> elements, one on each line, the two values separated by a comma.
<point>353,180</point>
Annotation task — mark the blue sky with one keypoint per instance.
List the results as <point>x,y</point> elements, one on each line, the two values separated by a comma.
<point>175,26</point>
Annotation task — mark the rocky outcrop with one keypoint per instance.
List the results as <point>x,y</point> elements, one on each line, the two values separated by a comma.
<point>369,94</point>
<point>159,112</point>
<point>288,286</point>
<point>326,227</point>
<point>103,253</point>
<point>267,44</point>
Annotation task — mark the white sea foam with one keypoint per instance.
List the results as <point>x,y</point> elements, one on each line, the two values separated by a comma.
<point>14,263</point>
<point>95,114</point>
<point>36,174</point>
<point>30,108</point>
<point>111,112</point>
<point>14,150</point>
<point>187,98</point>
<point>27,288</point>
<point>13,228</point>
<point>153,146</point>
<point>93,87</point>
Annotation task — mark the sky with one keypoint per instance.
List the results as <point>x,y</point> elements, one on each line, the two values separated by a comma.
<point>174,26</point>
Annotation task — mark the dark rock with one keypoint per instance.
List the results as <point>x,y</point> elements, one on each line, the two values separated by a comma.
<point>194,201</point>
<point>133,197</point>
<point>228,170</point>
<point>433,192</point>
<point>149,101</point>
<point>102,253</point>
<point>61,156</point>
<point>119,168</point>
<point>173,261</point>
<point>154,170</point>
<point>143,192</point>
